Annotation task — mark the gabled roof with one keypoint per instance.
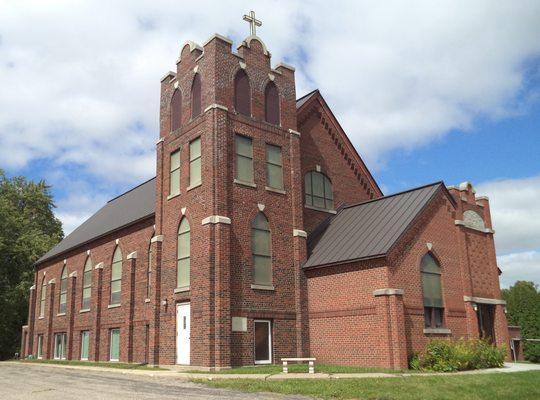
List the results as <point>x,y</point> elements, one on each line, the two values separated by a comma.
<point>369,229</point>
<point>316,96</point>
<point>132,206</point>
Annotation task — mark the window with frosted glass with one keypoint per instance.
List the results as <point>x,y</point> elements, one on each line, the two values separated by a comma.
<point>60,342</point>
<point>183,262</point>
<point>274,167</point>
<point>244,158</point>
<point>87,285</point>
<point>242,93</point>
<point>174,181</point>
<point>318,190</point>
<point>40,346</point>
<point>432,292</point>
<point>85,344</point>
<point>114,351</point>
<point>195,162</point>
<point>42,298</point>
<point>260,247</point>
<point>63,292</point>
<point>271,104</point>
<point>116,277</point>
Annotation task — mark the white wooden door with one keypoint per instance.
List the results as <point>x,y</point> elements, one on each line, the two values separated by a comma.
<point>182,333</point>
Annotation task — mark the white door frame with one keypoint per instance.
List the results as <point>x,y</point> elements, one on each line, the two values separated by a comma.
<point>184,357</point>
<point>269,323</point>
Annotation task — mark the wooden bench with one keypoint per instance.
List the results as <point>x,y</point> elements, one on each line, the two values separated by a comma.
<point>311,363</point>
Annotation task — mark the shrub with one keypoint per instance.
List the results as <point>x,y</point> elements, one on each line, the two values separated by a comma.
<point>458,355</point>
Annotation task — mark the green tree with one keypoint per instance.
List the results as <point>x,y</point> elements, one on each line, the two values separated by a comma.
<point>28,229</point>
<point>523,305</point>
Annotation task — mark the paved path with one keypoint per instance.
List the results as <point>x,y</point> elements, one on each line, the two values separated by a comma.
<point>32,381</point>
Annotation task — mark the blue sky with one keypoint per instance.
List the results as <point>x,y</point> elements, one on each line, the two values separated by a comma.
<point>426,92</point>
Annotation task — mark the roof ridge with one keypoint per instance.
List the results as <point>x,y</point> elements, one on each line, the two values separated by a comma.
<point>306,95</point>
<point>130,190</point>
<point>394,194</point>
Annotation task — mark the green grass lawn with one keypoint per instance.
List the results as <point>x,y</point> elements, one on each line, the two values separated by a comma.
<point>94,364</point>
<point>294,368</point>
<point>508,386</point>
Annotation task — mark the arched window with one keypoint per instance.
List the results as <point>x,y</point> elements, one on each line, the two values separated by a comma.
<point>116,277</point>
<point>63,291</point>
<point>242,93</point>
<point>196,96</point>
<point>149,271</point>
<point>42,298</point>
<point>432,291</point>
<point>184,242</point>
<point>261,243</point>
<point>176,110</point>
<point>271,104</point>
<point>318,191</point>
<point>87,284</point>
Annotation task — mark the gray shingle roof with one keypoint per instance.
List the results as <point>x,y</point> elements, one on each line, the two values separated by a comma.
<point>302,100</point>
<point>132,206</point>
<point>368,229</point>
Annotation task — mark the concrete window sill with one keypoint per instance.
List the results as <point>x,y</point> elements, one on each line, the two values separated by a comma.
<point>61,314</point>
<point>320,209</point>
<point>274,190</point>
<point>263,287</point>
<point>147,300</point>
<point>113,305</point>
<point>172,196</point>
<point>195,185</point>
<point>182,289</point>
<point>437,331</point>
<point>85,310</point>
<point>244,183</point>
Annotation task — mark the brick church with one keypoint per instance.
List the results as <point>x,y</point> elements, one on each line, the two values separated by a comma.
<point>262,236</point>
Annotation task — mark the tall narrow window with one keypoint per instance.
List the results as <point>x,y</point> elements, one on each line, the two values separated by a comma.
<point>195,162</point>
<point>271,104</point>
<point>87,284</point>
<point>261,249</point>
<point>63,291</point>
<point>149,272</point>
<point>116,277</point>
<point>85,344</point>
<point>432,290</point>
<point>183,266</point>
<point>174,178</point>
<point>40,346</point>
<point>42,298</point>
<point>274,167</point>
<point>196,96</point>
<point>60,342</point>
<point>242,93</point>
<point>114,345</point>
<point>318,191</point>
<point>176,110</point>
<point>244,158</point>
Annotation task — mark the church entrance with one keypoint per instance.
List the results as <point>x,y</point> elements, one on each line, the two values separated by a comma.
<point>183,333</point>
<point>486,322</point>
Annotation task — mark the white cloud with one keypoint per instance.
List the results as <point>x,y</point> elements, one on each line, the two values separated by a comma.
<point>515,212</point>
<point>523,266</point>
<point>80,80</point>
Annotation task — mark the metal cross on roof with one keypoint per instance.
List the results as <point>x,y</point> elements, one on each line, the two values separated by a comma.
<point>253,23</point>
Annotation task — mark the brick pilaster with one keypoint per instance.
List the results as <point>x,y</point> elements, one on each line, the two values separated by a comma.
<point>132,259</point>
<point>49,347</point>
<point>71,313</point>
<point>97,300</point>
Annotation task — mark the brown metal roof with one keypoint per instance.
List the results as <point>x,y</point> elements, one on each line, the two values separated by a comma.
<point>369,229</point>
<point>134,205</point>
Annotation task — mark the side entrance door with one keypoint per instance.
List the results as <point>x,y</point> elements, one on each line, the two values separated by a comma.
<point>182,333</point>
<point>486,322</point>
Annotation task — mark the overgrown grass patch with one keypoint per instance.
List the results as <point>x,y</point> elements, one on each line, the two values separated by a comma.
<point>104,364</point>
<point>508,386</point>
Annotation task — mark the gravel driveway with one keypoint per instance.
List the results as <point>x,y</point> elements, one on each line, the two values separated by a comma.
<point>19,381</point>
